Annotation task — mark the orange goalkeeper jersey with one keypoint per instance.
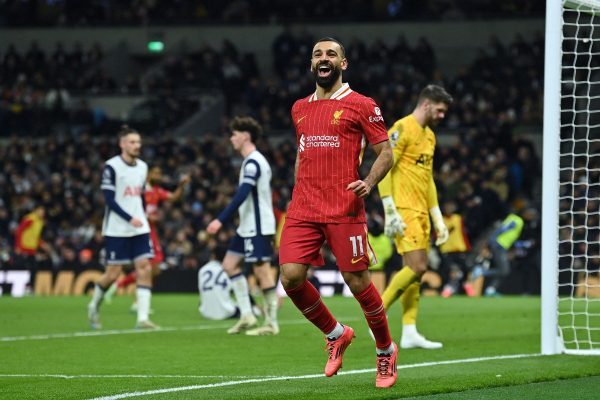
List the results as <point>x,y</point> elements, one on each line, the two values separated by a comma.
<point>410,181</point>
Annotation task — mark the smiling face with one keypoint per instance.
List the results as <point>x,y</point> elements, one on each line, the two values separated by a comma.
<point>327,63</point>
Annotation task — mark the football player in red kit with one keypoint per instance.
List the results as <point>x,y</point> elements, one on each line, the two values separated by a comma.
<point>333,127</point>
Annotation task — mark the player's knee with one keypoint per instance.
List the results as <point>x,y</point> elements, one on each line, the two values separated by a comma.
<point>143,270</point>
<point>292,276</point>
<point>290,281</point>
<point>112,272</point>
<point>419,268</point>
<point>263,274</point>
<point>357,281</point>
<point>231,269</point>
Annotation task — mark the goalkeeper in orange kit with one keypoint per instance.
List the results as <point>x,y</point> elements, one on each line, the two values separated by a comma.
<point>409,197</point>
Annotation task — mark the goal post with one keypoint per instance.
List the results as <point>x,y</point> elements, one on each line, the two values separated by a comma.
<point>570,320</point>
<point>551,144</point>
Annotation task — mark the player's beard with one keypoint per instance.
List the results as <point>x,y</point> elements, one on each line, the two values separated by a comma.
<point>328,81</point>
<point>133,153</point>
<point>432,122</point>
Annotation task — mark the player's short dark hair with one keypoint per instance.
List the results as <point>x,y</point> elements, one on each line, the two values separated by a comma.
<point>219,251</point>
<point>246,124</point>
<point>330,39</point>
<point>125,130</point>
<point>435,94</point>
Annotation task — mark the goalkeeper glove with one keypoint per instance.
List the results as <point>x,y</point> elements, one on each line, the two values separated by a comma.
<point>393,222</point>
<point>440,227</point>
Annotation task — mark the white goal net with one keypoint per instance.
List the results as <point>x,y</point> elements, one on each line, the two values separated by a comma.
<point>577,290</point>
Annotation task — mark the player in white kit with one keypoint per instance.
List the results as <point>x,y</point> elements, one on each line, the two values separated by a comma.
<point>215,289</point>
<point>254,235</point>
<point>125,228</point>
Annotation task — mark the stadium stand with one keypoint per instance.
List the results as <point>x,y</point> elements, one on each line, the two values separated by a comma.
<point>53,139</point>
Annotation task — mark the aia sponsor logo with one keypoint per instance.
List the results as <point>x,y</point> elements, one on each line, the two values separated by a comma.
<point>424,160</point>
<point>132,191</point>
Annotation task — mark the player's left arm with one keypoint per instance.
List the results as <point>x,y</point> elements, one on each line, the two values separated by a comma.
<point>436,214</point>
<point>373,126</point>
<point>382,164</point>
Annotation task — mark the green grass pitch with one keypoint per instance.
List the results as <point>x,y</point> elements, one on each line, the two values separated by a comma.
<point>491,351</point>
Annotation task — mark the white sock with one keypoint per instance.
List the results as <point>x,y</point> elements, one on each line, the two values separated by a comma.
<point>271,305</point>
<point>240,290</point>
<point>387,351</point>
<point>336,332</point>
<point>97,296</point>
<point>144,294</point>
<point>409,329</point>
<point>112,289</point>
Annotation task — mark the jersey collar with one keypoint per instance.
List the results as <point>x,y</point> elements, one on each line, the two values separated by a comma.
<point>338,95</point>
<point>128,164</point>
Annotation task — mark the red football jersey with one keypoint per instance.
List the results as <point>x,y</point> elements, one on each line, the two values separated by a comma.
<point>331,135</point>
<point>153,196</point>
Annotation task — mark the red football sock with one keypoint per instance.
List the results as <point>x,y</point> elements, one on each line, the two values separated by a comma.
<point>308,300</point>
<point>126,280</point>
<point>372,306</point>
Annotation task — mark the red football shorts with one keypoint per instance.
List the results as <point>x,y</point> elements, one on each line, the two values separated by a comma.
<point>301,243</point>
<point>158,253</point>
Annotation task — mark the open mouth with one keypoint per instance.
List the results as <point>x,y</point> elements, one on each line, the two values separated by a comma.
<point>324,70</point>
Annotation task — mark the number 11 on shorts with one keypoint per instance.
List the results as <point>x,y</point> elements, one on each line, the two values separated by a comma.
<point>355,249</point>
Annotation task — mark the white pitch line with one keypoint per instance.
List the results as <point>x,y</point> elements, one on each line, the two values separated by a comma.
<point>312,376</point>
<point>130,376</point>
<point>110,332</point>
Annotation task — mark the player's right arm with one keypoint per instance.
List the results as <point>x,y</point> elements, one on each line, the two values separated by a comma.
<point>393,221</point>
<point>178,193</point>
<point>108,189</point>
<point>294,113</point>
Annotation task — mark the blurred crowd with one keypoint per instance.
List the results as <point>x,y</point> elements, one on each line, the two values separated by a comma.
<point>501,88</point>
<point>63,175</point>
<point>487,169</point>
<point>165,12</point>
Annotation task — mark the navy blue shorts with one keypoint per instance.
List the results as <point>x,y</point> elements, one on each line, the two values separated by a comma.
<point>254,249</point>
<point>126,250</point>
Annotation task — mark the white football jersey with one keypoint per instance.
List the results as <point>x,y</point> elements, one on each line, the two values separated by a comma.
<point>215,292</point>
<point>127,181</point>
<point>256,212</point>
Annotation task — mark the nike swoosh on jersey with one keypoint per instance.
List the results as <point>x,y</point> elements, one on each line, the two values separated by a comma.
<point>300,119</point>
<point>355,260</point>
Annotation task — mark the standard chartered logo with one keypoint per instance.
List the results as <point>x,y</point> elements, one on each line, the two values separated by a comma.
<point>319,141</point>
<point>307,142</point>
